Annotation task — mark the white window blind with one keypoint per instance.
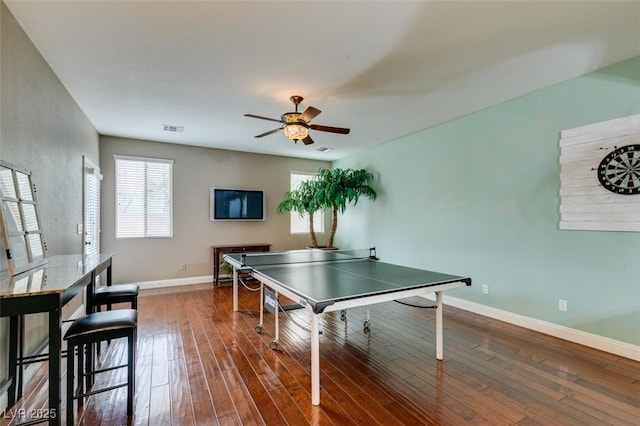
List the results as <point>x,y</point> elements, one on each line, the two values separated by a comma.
<point>144,197</point>
<point>300,222</point>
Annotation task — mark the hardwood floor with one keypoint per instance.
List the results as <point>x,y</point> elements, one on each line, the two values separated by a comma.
<point>200,364</point>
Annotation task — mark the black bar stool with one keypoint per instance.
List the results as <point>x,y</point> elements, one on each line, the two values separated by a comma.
<point>81,336</point>
<point>118,293</point>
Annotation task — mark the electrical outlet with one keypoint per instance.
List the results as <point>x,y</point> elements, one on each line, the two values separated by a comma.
<point>562,305</point>
<point>485,289</point>
<point>183,266</point>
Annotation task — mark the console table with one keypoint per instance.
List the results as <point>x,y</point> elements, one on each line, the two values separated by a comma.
<point>48,288</point>
<point>218,251</point>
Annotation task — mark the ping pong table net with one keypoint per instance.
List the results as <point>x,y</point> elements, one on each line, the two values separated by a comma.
<point>254,260</point>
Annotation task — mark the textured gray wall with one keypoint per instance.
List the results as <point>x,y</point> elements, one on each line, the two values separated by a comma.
<point>195,171</point>
<point>42,130</point>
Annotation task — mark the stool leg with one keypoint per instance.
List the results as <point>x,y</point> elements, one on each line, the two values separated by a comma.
<point>98,345</point>
<point>70,381</point>
<point>82,371</point>
<point>131,372</point>
<point>21,367</point>
<point>14,358</point>
<point>90,363</point>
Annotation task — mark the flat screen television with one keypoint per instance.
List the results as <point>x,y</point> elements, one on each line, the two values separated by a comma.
<point>238,204</point>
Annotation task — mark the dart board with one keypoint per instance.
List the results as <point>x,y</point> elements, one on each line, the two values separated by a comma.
<point>619,171</point>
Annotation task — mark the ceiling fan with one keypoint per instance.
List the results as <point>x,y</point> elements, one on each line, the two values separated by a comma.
<point>296,124</point>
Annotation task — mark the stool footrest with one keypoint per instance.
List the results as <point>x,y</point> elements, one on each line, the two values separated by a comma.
<point>32,359</point>
<point>94,392</point>
<point>94,372</point>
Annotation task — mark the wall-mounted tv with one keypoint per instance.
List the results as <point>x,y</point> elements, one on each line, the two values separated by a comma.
<point>238,204</point>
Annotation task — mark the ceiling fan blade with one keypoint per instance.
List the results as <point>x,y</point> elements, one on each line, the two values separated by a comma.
<point>270,132</point>
<point>309,113</point>
<point>262,118</point>
<point>307,140</point>
<point>341,130</point>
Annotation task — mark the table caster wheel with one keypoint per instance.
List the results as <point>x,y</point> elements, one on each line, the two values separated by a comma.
<point>258,329</point>
<point>366,330</point>
<point>343,315</point>
<point>273,345</point>
<point>367,324</point>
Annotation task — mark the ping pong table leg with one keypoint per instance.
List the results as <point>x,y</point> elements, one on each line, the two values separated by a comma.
<point>261,306</point>
<point>315,360</point>
<point>439,331</point>
<point>235,290</point>
<point>274,344</point>
<point>366,327</point>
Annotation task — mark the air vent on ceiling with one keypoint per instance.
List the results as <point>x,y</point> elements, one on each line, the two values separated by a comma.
<point>173,128</point>
<point>324,149</point>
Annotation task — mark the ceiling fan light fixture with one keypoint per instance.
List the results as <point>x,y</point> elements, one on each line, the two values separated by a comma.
<point>295,131</point>
<point>291,117</point>
<point>295,125</point>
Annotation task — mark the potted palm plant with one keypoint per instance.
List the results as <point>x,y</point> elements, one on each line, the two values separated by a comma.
<point>303,200</point>
<point>335,189</point>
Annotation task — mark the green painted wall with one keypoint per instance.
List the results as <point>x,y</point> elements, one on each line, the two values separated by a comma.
<point>478,196</point>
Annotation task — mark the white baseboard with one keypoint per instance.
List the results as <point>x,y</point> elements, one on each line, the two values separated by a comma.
<point>605,344</point>
<point>176,282</point>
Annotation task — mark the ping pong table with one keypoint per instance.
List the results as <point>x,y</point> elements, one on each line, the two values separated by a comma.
<point>325,281</point>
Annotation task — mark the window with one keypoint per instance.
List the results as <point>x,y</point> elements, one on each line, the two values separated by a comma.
<point>300,222</point>
<point>144,197</point>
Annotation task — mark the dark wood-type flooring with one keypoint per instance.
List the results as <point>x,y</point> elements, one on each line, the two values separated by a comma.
<point>201,364</point>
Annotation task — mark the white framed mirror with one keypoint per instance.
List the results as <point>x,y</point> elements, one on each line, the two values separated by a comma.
<point>21,230</point>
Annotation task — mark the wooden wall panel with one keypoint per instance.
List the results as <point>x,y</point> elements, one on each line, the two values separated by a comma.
<point>584,202</point>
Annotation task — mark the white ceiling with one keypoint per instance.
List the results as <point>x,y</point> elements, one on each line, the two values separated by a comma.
<point>384,69</point>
